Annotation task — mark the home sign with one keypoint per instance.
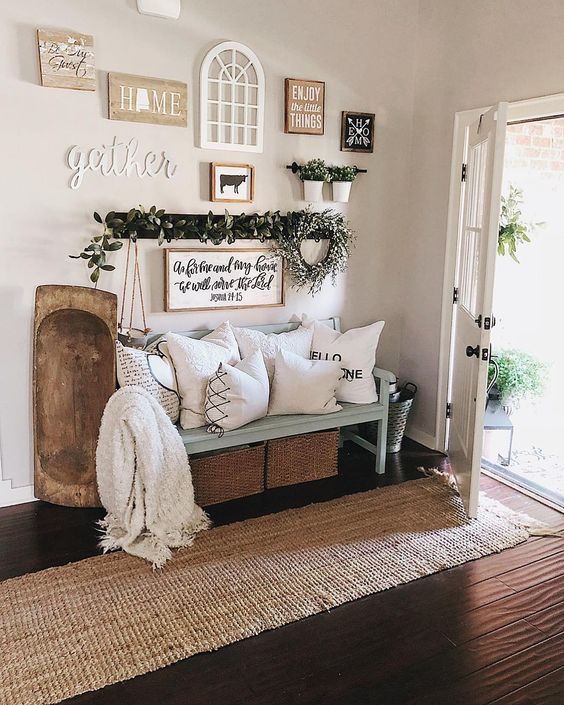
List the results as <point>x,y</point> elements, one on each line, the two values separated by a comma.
<point>209,279</point>
<point>150,100</point>
<point>66,59</point>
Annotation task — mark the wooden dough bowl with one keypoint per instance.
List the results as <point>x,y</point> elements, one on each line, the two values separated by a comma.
<point>73,378</point>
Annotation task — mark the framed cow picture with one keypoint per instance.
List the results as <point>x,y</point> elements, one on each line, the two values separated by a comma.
<point>232,183</point>
<point>357,132</point>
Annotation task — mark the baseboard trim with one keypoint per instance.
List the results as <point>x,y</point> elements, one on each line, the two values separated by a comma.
<point>10,496</point>
<point>419,436</point>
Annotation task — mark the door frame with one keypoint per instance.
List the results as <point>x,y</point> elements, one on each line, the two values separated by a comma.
<point>530,109</point>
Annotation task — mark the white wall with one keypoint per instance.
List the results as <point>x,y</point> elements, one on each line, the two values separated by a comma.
<point>469,55</point>
<point>363,50</point>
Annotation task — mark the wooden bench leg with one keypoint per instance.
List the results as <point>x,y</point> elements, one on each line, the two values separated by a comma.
<point>381,445</point>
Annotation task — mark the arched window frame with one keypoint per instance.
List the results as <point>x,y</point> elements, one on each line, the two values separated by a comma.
<point>205,101</point>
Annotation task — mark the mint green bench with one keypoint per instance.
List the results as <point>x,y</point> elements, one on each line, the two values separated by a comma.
<point>198,440</point>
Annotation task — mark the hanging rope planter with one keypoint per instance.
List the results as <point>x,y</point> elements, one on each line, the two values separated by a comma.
<point>127,334</point>
<point>306,225</point>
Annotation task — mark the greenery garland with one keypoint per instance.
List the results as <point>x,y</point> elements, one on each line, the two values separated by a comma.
<point>213,228</point>
<point>308,224</point>
<point>286,233</point>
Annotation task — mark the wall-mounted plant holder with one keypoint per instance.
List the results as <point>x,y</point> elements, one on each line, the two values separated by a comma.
<point>341,178</point>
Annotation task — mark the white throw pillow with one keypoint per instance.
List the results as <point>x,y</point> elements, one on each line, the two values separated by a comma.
<point>153,371</point>
<point>355,350</point>
<point>195,361</point>
<point>303,386</point>
<point>297,341</point>
<point>237,395</point>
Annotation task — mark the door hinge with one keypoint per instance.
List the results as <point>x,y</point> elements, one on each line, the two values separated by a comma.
<point>455,295</point>
<point>464,172</point>
<point>449,410</point>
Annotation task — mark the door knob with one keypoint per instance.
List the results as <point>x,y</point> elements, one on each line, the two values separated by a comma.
<point>470,351</point>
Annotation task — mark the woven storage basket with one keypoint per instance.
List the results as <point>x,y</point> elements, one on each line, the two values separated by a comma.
<point>397,421</point>
<point>222,476</point>
<point>301,458</point>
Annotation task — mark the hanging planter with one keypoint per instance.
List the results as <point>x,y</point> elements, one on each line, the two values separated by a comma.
<point>313,174</point>
<point>341,178</point>
<point>128,335</point>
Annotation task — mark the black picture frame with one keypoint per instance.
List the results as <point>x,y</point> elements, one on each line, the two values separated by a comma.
<point>357,132</point>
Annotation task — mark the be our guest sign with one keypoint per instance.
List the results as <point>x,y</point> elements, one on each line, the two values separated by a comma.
<point>207,279</point>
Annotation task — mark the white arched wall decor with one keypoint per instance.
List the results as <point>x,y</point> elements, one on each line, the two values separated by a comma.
<point>231,99</point>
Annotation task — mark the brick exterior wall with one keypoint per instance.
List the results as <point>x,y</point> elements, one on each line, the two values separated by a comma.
<point>536,145</point>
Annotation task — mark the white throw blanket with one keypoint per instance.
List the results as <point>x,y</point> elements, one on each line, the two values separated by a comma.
<point>144,479</point>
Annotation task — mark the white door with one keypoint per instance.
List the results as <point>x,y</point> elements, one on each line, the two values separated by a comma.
<point>477,243</point>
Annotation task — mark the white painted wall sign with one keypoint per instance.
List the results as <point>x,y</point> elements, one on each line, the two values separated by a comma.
<point>210,279</point>
<point>66,59</point>
<point>118,159</point>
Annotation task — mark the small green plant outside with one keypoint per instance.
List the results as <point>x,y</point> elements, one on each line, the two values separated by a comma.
<point>513,231</point>
<point>314,170</point>
<point>342,173</point>
<point>521,375</point>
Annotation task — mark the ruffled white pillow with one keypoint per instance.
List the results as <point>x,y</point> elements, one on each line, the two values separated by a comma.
<point>355,351</point>
<point>303,386</point>
<point>297,341</point>
<point>237,395</point>
<point>195,361</point>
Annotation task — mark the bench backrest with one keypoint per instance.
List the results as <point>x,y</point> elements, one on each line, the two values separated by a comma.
<point>334,323</point>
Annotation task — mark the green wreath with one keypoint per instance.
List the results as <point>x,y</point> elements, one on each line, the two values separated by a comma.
<point>307,225</point>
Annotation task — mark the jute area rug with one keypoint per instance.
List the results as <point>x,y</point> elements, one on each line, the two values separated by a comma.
<point>68,630</point>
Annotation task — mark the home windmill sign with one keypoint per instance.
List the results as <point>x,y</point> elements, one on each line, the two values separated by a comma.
<point>150,100</point>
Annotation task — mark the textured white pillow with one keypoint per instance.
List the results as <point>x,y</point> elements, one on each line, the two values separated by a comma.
<point>355,350</point>
<point>237,395</point>
<point>152,371</point>
<point>195,361</point>
<point>303,386</point>
<point>297,341</point>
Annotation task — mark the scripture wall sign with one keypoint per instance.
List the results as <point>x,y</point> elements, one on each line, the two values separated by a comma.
<point>304,107</point>
<point>206,279</point>
<point>66,59</point>
<point>150,100</point>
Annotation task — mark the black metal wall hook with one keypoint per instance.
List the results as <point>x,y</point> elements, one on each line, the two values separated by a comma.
<point>295,167</point>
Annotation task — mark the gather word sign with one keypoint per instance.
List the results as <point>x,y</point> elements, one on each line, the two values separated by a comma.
<point>118,159</point>
<point>66,59</point>
<point>142,99</point>
<point>206,279</point>
<point>304,107</point>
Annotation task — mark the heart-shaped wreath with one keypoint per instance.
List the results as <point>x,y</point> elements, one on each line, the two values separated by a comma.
<point>307,225</point>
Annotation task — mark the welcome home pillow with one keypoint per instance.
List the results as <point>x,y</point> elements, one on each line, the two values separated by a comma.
<point>153,371</point>
<point>195,361</point>
<point>297,341</point>
<point>237,394</point>
<point>355,351</point>
<point>302,386</point>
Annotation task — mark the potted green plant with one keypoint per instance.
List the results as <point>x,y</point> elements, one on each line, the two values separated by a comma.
<point>513,231</point>
<point>313,174</point>
<point>341,178</point>
<point>521,376</point>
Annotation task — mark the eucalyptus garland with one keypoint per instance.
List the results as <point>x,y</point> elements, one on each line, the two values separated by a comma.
<point>163,226</point>
<point>303,225</point>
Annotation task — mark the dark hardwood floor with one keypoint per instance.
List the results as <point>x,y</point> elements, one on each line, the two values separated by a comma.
<point>489,631</point>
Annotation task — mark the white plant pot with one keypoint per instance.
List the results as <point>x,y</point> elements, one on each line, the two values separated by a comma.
<point>313,191</point>
<point>341,191</point>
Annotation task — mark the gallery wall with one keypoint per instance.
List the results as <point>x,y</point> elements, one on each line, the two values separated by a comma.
<point>364,51</point>
<point>469,55</point>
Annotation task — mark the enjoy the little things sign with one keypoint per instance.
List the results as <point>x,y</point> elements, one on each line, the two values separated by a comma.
<point>206,279</point>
